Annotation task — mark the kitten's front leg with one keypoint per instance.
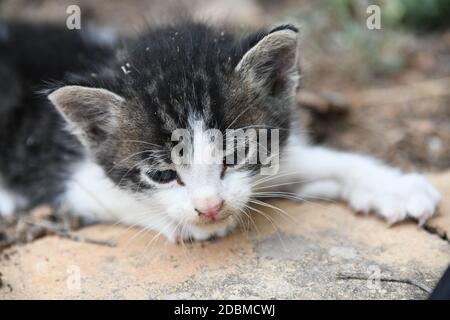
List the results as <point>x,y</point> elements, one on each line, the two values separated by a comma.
<point>366,184</point>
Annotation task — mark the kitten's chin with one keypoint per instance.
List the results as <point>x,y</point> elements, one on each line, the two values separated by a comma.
<point>204,231</point>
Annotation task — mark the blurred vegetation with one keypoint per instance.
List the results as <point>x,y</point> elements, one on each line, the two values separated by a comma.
<point>338,28</point>
<point>423,15</point>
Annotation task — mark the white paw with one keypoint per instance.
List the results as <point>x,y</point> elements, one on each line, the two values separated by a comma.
<point>396,198</point>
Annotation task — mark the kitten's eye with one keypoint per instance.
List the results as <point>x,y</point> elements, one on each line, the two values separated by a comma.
<point>164,176</point>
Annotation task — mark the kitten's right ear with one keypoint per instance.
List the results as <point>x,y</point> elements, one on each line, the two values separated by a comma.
<point>92,113</point>
<point>271,64</point>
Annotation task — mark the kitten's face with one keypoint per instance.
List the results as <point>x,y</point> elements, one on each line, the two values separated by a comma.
<point>196,189</point>
<point>132,132</point>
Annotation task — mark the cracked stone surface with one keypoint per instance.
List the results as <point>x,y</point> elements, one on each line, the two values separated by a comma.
<point>299,260</point>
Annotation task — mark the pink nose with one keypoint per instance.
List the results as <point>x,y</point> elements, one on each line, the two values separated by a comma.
<point>211,210</point>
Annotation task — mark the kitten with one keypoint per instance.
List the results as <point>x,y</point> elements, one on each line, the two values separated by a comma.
<point>102,144</point>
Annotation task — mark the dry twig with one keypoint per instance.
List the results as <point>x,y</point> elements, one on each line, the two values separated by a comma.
<point>360,276</point>
<point>49,227</point>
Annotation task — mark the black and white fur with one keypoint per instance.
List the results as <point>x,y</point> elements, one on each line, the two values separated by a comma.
<point>100,144</point>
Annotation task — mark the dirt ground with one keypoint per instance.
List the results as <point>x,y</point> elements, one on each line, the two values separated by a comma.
<point>382,92</point>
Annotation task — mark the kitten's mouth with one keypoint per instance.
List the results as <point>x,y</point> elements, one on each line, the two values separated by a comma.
<point>222,218</point>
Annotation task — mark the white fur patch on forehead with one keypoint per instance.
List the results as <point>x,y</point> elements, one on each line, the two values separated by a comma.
<point>203,150</point>
<point>202,174</point>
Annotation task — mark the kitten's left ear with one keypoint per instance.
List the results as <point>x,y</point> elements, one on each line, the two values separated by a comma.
<point>92,113</point>
<point>272,63</point>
